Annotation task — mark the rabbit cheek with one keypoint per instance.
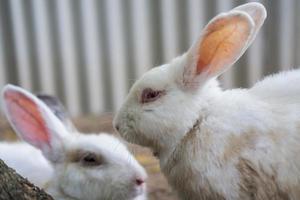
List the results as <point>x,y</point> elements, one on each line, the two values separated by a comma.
<point>129,122</point>
<point>125,124</point>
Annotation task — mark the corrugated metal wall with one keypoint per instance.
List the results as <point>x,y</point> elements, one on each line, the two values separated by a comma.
<point>89,52</point>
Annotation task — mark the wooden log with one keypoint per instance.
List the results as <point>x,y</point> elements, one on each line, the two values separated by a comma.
<point>15,187</point>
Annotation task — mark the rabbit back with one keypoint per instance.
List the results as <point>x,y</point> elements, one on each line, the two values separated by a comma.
<point>281,88</point>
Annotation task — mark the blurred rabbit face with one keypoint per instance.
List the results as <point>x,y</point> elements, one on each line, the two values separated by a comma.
<point>86,166</point>
<point>99,167</point>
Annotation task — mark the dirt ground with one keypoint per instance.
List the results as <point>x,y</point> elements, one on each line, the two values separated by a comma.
<point>157,186</point>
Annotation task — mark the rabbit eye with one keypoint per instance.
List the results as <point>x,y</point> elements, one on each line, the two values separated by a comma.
<point>149,95</point>
<point>91,159</point>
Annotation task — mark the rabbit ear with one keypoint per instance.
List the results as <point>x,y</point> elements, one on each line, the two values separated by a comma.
<point>222,42</point>
<point>34,122</point>
<point>258,14</point>
<point>59,110</point>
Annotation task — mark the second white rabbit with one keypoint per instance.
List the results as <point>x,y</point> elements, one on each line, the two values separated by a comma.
<point>69,165</point>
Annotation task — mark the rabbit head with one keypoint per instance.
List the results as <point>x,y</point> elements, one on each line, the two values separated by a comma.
<point>167,100</point>
<point>85,166</point>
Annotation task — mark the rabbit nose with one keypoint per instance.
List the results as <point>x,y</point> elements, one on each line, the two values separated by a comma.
<point>139,181</point>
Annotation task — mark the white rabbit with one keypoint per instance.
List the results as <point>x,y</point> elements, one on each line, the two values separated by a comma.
<point>75,166</point>
<point>215,144</point>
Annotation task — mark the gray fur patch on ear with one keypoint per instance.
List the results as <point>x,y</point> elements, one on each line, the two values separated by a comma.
<point>55,105</point>
<point>58,109</point>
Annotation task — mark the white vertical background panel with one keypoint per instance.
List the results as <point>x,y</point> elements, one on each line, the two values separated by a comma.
<point>256,58</point>
<point>2,62</point>
<point>116,51</point>
<point>169,27</point>
<point>227,77</point>
<point>92,55</point>
<point>224,6</point>
<point>286,29</point>
<point>196,16</point>
<point>67,42</point>
<point>45,57</point>
<point>297,35</point>
<point>3,66</point>
<point>21,42</point>
<point>142,44</point>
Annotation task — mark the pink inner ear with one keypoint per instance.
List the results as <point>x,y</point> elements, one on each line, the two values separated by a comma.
<point>27,118</point>
<point>222,44</point>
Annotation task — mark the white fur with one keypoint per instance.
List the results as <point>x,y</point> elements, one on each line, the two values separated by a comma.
<point>197,163</point>
<point>63,178</point>
<point>27,160</point>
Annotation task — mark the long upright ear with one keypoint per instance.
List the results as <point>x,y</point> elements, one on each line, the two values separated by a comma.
<point>258,14</point>
<point>34,122</point>
<point>59,110</point>
<point>223,41</point>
